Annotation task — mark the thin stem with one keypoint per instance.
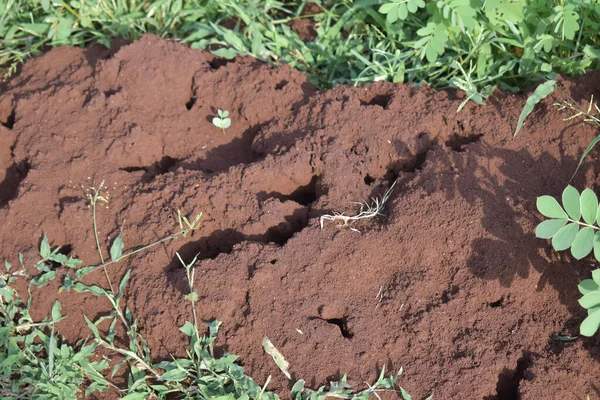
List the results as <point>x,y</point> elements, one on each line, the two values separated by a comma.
<point>583,223</point>
<point>133,252</point>
<point>93,202</point>
<point>32,325</point>
<point>126,353</point>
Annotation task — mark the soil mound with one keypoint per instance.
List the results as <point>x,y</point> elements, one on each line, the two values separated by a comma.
<point>449,283</point>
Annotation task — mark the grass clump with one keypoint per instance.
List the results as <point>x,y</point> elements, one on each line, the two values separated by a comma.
<point>472,45</point>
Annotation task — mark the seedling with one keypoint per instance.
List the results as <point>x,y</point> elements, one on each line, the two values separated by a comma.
<point>366,211</point>
<point>222,121</point>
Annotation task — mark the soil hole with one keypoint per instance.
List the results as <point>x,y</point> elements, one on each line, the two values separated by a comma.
<point>509,380</point>
<point>497,303</point>
<point>369,180</point>
<point>303,195</point>
<point>10,120</point>
<point>456,142</point>
<point>218,62</point>
<point>281,85</point>
<point>381,100</point>
<point>190,103</point>
<point>9,187</point>
<point>112,92</point>
<point>342,323</point>
<point>153,170</point>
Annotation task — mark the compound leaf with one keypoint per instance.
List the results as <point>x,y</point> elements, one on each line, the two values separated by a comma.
<point>570,200</point>
<point>589,206</point>
<point>549,207</point>
<point>583,243</point>
<point>547,229</point>
<point>563,239</point>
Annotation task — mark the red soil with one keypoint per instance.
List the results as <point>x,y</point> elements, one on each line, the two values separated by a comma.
<point>469,298</point>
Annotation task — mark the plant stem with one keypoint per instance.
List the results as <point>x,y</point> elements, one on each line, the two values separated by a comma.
<point>583,223</point>
<point>93,203</point>
<point>133,252</point>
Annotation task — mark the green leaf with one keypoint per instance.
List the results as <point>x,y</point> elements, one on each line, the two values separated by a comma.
<point>589,206</point>
<point>549,207</point>
<point>56,312</point>
<point>92,327</point>
<point>585,153</point>
<point>539,94</point>
<point>547,229</point>
<point>583,243</point>
<point>116,250</point>
<point>590,300</point>
<point>570,200</point>
<point>433,42</point>
<point>45,251</point>
<point>597,246</point>
<point>590,325</point>
<point>588,286</point>
<point>596,276</point>
<point>566,18</point>
<point>277,357</point>
<point>188,328</point>
<point>174,375</point>
<point>563,239</point>
<point>123,284</point>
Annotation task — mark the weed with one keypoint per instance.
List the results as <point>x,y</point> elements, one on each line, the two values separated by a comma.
<point>222,121</point>
<point>35,363</point>
<point>509,44</point>
<point>575,225</point>
<point>366,211</point>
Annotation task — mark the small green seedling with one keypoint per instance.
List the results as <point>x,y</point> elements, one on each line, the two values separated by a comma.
<point>222,121</point>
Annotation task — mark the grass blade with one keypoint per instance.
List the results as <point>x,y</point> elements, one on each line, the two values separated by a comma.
<point>539,94</point>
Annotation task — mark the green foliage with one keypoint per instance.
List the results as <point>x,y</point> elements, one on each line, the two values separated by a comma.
<point>342,390</point>
<point>34,362</point>
<point>566,227</point>
<point>575,225</point>
<point>590,289</point>
<point>539,94</point>
<point>509,43</point>
<point>222,121</point>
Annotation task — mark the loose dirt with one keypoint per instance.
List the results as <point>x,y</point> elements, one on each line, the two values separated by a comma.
<point>449,283</point>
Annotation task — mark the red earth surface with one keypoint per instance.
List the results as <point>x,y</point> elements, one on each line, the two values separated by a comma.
<point>449,283</point>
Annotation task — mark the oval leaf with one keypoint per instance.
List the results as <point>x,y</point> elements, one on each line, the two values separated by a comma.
<point>590,325</point>
<point>570,200</point>
<point>116,250</point>
<point>588,286</point>
<point>596,276</point>
<point>590,300</point>
<point>174,375</point>
<point>547,229</point>
<point>583,243</point>
<point>563,239</point>
<point>589,206</point>
<point>549,207</point>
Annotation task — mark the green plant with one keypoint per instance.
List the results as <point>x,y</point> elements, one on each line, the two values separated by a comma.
<point>222,121</point>
<point>512,44</point>
<point>575,225</point>
<point>35,364</point>
<point>34,361</point>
